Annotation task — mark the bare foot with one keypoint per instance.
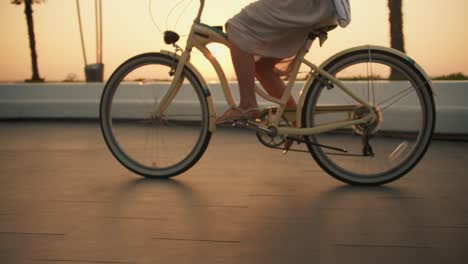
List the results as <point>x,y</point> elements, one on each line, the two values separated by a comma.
<point>236,113</point>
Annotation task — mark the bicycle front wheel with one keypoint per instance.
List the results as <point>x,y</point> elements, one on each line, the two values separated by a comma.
<point>388,148</point>
<point>154,146</point>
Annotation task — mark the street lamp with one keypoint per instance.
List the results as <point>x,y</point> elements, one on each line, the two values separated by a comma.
<point>94,72</point>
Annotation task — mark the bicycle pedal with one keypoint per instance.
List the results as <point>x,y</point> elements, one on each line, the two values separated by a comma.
<point>225,122</point>
<point>287,145</point>
<point>238,123</point>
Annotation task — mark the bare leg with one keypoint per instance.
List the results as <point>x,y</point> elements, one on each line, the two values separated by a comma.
<point>273,84</point>
<point>270,81</point>
<point>244,66</point>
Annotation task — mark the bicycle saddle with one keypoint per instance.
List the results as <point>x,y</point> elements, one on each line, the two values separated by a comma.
<point>321,31</point>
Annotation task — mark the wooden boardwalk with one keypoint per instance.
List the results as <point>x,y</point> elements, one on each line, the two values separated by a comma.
<point>64,199</point>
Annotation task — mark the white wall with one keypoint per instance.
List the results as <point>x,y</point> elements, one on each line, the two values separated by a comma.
<point>81,100</point>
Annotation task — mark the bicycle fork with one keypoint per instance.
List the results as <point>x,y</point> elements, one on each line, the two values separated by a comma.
<point>176,72</point>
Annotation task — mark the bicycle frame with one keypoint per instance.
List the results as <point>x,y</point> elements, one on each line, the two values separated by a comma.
<point>201,35</point>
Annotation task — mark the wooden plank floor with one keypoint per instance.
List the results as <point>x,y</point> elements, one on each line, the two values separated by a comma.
<point>64,199</point>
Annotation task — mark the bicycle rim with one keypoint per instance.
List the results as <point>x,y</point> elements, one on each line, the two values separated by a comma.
<point>154,146</point>
<point>387,149</point>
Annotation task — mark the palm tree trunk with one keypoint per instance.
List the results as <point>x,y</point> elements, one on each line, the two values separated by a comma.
<point>32,41</point>
<point>397,39</point>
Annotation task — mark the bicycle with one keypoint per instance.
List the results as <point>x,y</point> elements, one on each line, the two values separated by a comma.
<point>366,114</point>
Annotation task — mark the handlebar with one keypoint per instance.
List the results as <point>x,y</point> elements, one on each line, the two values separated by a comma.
<point>200,11</point>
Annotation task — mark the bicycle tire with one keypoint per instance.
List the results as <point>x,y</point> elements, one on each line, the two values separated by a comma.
<point>130,116</point>
<point>349,168</point>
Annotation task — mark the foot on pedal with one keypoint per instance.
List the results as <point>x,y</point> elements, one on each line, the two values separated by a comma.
<point>287,145</point>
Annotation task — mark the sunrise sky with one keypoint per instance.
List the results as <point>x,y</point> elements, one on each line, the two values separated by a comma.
<point>436,34</point>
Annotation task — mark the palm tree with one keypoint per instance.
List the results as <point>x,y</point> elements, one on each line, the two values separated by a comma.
<point>32,39</point>
<point>397,39</point>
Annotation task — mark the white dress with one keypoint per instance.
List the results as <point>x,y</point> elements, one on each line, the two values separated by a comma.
<point>278,28</point>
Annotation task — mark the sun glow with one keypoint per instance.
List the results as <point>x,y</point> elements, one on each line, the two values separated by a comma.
<point>435,35</point>
<point>220,52</point>
<point>222,55</point>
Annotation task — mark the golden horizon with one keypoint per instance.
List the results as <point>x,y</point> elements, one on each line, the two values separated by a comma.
<point>435,35</point>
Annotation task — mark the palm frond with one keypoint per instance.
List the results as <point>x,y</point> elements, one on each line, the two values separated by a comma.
<point>19,2</point>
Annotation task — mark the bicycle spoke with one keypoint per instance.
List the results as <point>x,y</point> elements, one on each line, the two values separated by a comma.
<point>341,94</point>
<point>396,98</point>
<point>370,85</point>
<point>399,96</point>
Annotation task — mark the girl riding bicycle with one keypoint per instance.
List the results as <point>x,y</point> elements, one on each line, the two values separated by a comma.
<point>157,112</point>
<point>265,37</point>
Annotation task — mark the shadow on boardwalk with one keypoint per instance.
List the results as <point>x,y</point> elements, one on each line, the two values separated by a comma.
<point>64,199</point>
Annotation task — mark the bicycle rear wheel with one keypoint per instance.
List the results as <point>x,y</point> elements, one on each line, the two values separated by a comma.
<point>154,146</point>
<point>382,151</point>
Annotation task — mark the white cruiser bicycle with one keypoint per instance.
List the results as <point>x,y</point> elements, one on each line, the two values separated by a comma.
<point>366,114</point>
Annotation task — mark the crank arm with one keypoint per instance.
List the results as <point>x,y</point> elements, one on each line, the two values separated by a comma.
<point>253,126</point>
